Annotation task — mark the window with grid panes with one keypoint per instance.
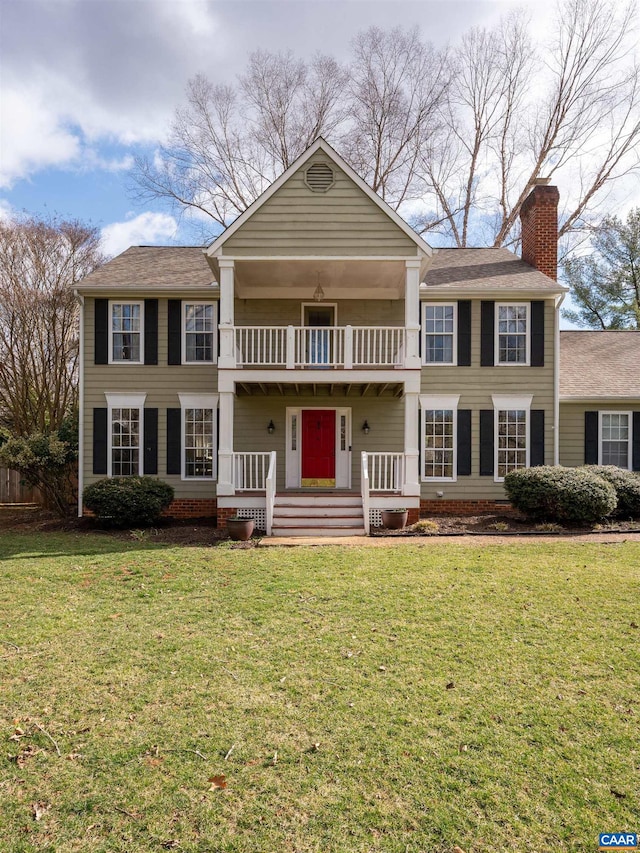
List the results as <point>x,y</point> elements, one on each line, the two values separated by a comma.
<point>439,324</point>
<point>198,443</point>
<point>512,440</point>
<point>125,442</point>
<point>199,332</point>
<point>438,443</point>
<point>126,331</point>
<point>614,439</point>
<point>512,334</point>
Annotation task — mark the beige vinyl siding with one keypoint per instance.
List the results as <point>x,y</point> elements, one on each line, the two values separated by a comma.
<point>572,426</point>
<point>475,385</point>
<point>384,415</point>
<point>297,221</point>
<point>161,383</point>
<point>288,312</point>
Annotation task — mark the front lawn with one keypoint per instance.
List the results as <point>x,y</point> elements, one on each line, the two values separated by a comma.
<point>400,698</point>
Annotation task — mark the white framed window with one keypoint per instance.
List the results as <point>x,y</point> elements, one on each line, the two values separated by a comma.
<point>440,332</point>
<point>614,446</point>
<point>439,437</point>
<point>126,332</point>
<point>124,434</point>
<point>513,339</point>
<point>199,436</point>
<point>512,442</point>
<point>199,325</point>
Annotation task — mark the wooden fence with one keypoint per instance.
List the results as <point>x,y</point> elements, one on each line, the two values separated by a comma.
<point>14,491</point>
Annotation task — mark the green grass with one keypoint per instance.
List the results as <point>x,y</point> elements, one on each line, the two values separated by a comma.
<point>402,698</point>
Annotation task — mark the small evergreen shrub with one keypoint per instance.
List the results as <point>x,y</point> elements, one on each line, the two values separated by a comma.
<point>128,501</point>
<point>627,486</point>
<point>554,493</point>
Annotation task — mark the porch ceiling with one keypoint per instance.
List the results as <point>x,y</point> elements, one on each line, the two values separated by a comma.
<point>344,279</point>
<point>316,389</point>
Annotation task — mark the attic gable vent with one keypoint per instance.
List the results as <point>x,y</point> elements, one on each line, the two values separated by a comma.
<point>319,177</point>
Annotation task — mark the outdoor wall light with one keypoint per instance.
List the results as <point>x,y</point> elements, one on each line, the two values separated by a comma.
<point>271,428</point>
<point>366,427</point>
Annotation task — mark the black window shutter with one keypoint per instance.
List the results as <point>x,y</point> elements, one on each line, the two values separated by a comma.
<point>464,442</point>
<point>487,334</point>
<point>486,442</point>
<point>150,441</point>
<point>150,331</point>
<point>635,450</point>
<point>464,333</point>
<point>590,438</point>
<point>536,455</point>
<point>101,331</point>
<point>174,441</point>
<point>100,441</point>
<point>537,333</point>
<point>175,331</point>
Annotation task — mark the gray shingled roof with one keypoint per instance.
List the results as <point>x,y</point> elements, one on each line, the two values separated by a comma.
<point>485,269</point>
<point>154,267</point>
<point>599,364</point>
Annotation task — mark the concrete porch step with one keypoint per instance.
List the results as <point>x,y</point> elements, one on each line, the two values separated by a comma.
<point>317,511</point>
<point>281,530</point>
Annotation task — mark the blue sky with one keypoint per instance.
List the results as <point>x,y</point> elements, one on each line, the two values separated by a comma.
<point>87,85</point>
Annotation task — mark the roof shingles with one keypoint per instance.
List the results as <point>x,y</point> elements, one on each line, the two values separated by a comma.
<point>599,364</point>
<point>485,269</point>
<point>154,267</point>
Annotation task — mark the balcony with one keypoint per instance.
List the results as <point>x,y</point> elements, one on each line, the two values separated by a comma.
<point>319,347</point>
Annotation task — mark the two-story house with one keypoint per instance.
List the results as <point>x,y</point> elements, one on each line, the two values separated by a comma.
<point>319,362</point>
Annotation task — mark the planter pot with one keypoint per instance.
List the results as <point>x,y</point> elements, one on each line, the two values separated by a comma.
<point>240,529</point>
<point>394,519</point>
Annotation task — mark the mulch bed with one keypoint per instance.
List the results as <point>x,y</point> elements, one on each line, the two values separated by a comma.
<point>203,531</point>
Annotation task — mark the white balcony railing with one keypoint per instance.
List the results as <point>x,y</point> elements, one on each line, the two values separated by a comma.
<point>342,347</point>
<point>386,472</point>
<point>250,471</point>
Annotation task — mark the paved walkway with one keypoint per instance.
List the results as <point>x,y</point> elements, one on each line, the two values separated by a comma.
<point>478,541</point>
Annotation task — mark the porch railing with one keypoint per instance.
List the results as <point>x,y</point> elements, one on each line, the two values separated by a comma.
<point>343,347</point>
<point>364,491</point>
<point>271,491</point>
<point>386,472</point>
<point>250,471</point>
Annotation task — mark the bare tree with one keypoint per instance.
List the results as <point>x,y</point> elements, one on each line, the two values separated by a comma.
<point>39,262</point>
<point>461,135</point>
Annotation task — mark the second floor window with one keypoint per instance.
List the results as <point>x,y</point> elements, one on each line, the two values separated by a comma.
<point>439,333</point>
<point>126,332</point>
<point>199,332</point>
<point>512,323</point>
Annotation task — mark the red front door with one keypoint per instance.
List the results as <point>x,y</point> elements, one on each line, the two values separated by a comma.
<point>318,447</point>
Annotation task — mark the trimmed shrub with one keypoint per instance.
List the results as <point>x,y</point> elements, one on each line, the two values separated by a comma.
<point>554,493</point>
<point>627,486</point>
<point>128,501</point>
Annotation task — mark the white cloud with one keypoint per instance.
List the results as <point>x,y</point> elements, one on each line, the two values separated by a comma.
<point>146,228</point>
<point>31,135</point>
<point>6,211</point>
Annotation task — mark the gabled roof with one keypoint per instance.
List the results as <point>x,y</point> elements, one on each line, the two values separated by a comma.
<point>485,270</point>
<point>603,365</point>
<point>319,145</point>
<point>154,267</point>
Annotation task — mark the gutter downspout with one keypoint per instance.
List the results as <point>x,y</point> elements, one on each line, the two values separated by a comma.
<point>80,405</point>
<point>556,379</point>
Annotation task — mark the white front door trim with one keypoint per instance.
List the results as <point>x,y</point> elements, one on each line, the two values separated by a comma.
<point>293,455</point>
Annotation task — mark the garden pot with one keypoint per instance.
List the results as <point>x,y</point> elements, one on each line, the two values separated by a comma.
<point>394,519</point>
<point>240,529</point>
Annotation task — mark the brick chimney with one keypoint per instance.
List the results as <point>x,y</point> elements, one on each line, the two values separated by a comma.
<point>539,219</point>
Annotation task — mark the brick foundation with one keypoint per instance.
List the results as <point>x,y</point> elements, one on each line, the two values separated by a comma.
<point>192,508</point>
<point>463,508</point>
<point>413,516</point>
<point>224,513</point>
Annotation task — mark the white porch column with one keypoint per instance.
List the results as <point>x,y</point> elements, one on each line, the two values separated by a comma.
<point>227,356</point>
<point>412,313</point>
<point>225,452</point>
<point>411,485</point>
